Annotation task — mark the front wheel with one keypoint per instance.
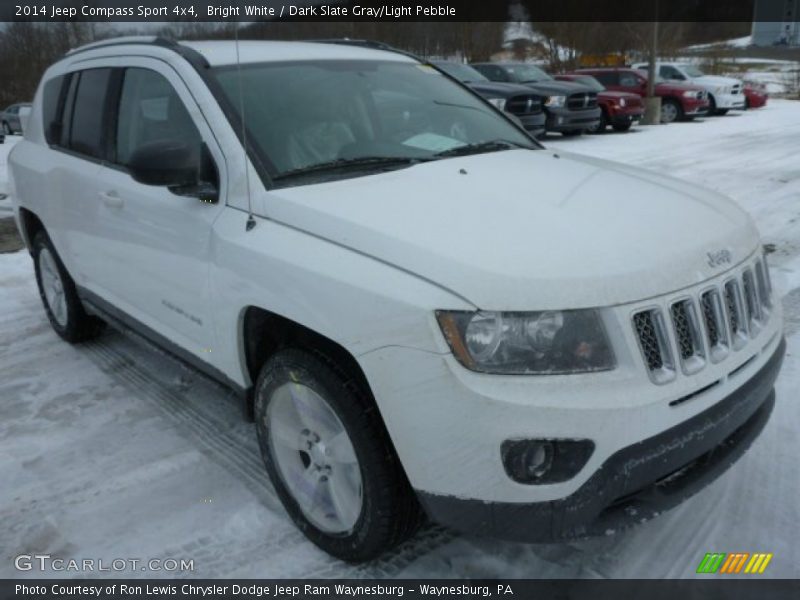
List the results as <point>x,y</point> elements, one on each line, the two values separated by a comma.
<point>670,111</point>
<point>722,111</point>
<point>622,127</point>
<point>601,125</point>
<point>329,457</point>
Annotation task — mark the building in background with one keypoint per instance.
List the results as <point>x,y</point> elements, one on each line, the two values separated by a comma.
<point>776,23</point>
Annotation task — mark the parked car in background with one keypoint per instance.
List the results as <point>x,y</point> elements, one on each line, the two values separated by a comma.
<point>9,118</point>
<point>515,99</point>
<point>679,101</point>
<point>571,108</point>
<point>621,110</point>
<point>755,94</point>
<point>724,93</point>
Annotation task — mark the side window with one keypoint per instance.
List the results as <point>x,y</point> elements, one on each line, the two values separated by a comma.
<point>53,108</point>
<point>628,80</point>
<point>607,78</point>
<point>150,111</point>
<point>672,73</point>
<point>87,134</point>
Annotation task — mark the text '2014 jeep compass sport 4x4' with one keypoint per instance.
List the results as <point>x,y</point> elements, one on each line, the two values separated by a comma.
<point>430,313</point>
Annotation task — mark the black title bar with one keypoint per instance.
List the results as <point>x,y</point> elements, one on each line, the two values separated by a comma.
<point>392,10</point>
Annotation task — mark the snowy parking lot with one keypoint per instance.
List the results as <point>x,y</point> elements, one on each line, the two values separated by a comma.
<point>113,450</point>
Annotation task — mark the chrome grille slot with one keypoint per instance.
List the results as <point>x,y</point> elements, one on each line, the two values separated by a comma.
<point>751,303</point>
<point>689,335</point>
<point>736,317</point>
<point>762,284</point>
<point>654,344</point>
<point>716,327</point>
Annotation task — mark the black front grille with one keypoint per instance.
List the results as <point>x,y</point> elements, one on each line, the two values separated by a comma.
<point>648,338</point>
<point>710,318</point>
<point>683,330</point>
<point>732,303</point>
<point>524,105</point>
<point>706,327</point>
<point>582,100</point>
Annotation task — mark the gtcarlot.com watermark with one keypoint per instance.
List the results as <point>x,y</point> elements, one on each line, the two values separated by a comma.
<point>46,562</point>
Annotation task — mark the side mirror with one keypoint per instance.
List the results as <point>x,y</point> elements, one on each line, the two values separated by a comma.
<point>175,165</point>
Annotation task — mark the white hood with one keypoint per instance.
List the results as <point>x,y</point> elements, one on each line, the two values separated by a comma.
<point>715,81</point>
<point>526,230</point>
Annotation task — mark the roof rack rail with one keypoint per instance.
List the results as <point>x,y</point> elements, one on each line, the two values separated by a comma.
<point>196,59</point>
<point>374,44</point>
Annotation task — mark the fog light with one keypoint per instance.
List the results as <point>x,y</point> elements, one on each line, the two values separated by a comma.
<point>544,461</point>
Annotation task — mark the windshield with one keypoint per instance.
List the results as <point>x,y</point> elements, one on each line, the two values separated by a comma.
<point>590,82</point>
<point>464,73</point>
<point>527,73</point>
<point>335,119</point>
<point>692,71</point>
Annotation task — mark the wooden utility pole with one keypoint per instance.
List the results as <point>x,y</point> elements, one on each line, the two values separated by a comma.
<point>652,115</point>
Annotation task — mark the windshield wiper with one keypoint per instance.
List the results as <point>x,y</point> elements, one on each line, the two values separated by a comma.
<point>348,163</point>
<point>480,147</point>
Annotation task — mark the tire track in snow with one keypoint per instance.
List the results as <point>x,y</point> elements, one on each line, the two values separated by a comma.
<point>241,456</point>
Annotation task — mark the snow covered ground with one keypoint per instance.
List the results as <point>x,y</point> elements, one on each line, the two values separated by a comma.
<point>113,450</point>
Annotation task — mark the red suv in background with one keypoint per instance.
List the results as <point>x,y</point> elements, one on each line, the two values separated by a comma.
<point>755,94</point>
<point>679,101</point>
<point>619,109</point>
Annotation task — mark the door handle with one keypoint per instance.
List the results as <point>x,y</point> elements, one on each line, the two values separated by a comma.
<point>111,199</point>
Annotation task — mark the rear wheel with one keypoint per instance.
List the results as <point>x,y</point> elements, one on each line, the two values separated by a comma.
<point>670,110</point>
<point>58,294</point>
<point>329,457</point>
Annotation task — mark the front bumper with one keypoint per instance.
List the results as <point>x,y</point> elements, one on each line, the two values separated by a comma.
<point>626,116</point>
<point>695,108</point>
<point>533,124</point>
<point>730,101</point>
<point>636,483</point>
<point>564,119</point>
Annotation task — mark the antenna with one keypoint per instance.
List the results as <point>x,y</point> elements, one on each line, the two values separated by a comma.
<point>251,222</point>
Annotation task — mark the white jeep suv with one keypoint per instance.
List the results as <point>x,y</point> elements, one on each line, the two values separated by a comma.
<point>724,93</point>
<point>428,313</point>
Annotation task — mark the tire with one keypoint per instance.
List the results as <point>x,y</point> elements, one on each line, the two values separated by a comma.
<point>573,133</point>
<point>722,112</point>
<point>59,297</point>
<point>601,126</point>
<point>747,103</point>
<point>712,105</point>
<point>671,111</point>
<point>7,129</point>
<point>622,128</point>
<point>353,502</point>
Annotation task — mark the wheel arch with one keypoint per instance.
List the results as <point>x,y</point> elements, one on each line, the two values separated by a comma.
<point>264,332</point>
<point>30,225</point>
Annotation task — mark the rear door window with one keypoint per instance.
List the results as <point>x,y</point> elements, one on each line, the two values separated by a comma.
<point>87,132</point>
<point>53,108</point>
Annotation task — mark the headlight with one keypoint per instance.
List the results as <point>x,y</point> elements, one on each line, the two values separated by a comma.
<point>528,343</point>
<point>690,94</point>
<point>498,102</point>
<point>555,101</point>
<point>622,102</point>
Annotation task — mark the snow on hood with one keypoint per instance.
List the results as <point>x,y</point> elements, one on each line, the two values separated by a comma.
<point>716,81</point>
<point>527,229</point>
